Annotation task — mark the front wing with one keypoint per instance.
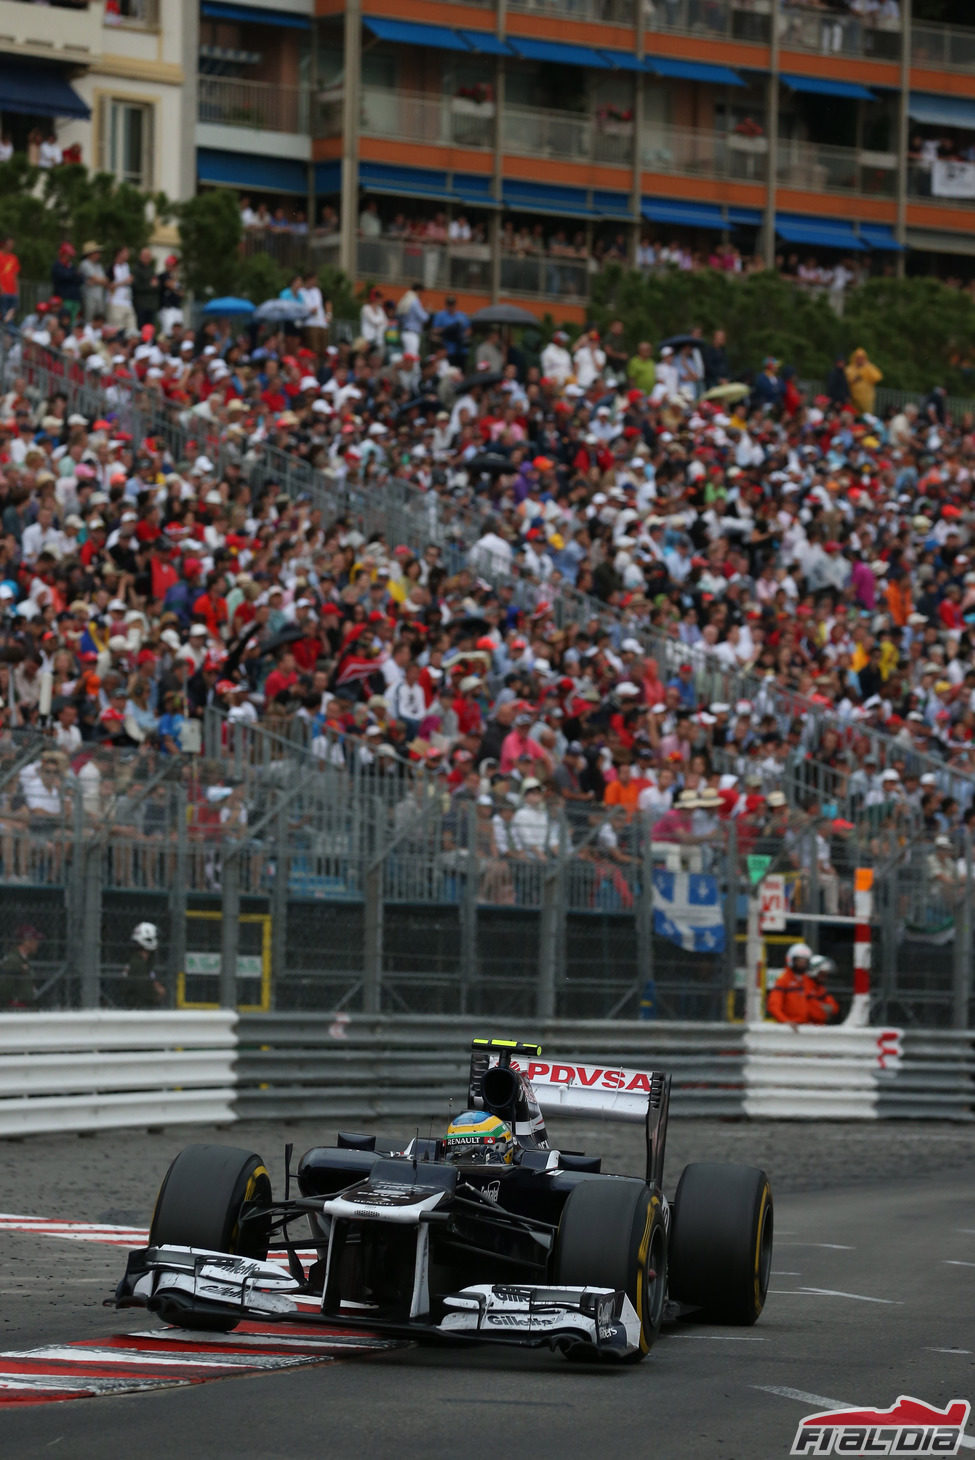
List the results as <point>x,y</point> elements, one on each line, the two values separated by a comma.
<point>180,1283</point>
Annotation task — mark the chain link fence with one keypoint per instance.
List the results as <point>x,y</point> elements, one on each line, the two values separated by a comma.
<point>279,880</point>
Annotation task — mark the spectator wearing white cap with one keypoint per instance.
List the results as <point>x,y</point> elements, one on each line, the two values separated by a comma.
<point>534,833</point>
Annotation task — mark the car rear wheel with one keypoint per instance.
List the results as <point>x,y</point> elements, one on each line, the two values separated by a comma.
<point>721,1241</point>
<point>612,1235</point>
<point>205,1195</point>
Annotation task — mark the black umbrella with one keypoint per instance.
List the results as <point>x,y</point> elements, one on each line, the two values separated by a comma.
<point>503,314</point>
<point>675,341</point>
<point>491,462</point>
<point>422,403</point>
<point>481,377</point>
<point>474,625</point>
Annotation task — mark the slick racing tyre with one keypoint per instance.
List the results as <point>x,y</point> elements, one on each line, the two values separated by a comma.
<point>721,1241</point>
<point>612,1235</point>
<point>205,1194</point>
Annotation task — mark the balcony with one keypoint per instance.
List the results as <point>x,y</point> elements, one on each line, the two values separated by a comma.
<point>259,106</point>
<point>812,167</point>
<point>572,135</point>
<point>948,184</point>
<point>746,20</point>
<point>467,266</point>
<point>943,47</point>
<point>802,165</point>
<point>605,12</point>
<point>826,33</point>
<point>63,33</point>
<point>447,121</point>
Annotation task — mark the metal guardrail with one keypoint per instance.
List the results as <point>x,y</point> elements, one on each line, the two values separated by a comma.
<point>106,1071</point>
<point>408,1069</point>
<point>414,1068</point>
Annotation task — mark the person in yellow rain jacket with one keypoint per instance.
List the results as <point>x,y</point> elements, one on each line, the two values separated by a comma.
<point>862,377</point>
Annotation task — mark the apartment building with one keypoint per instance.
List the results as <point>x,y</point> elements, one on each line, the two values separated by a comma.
<point>113,78</point>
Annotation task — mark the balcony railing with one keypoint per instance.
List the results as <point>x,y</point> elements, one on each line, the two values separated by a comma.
<point>583,138</point>
<point>468,266</point>
<point>294,250</point>
<point>456,121</point>
<point>950,184</point>
<point>806,165</point>
<point>820,169</point>
<point>838,33</point>
<point>943,46</point>
<point>607,12</point>
<point>257,104</point>
<point>746,20</point>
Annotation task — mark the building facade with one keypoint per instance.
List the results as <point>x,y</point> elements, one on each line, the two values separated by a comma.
<point>112,81</point>
<point>531,139</point>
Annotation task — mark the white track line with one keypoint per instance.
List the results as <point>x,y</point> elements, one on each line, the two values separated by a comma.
<point>830,1246</point>
<point>821,1402</point>
<point>835,1293</point>
<point>959,1351</point>
<point>956,1262</point>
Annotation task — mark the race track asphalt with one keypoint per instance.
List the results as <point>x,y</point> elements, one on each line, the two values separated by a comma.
<point>872,1296</point>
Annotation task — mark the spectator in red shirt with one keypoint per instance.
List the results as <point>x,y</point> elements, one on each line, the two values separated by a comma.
<point>310,647</point>
<point>211,607</point>
<point>284,677</point>
<point>469,717</point>
<point>949,610</point>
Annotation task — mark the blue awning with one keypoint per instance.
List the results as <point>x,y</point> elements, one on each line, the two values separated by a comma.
<point>328,177</point>
<point>417,182</point>
<point>474,189</point>
<point>822,86</point>
<point>745,217</point>
<point>248,170</point>
<point>557,51</point>
<point>533,197</point>
<point>485,43</point>
<point>623,60</point>
<point>693,71</point>
<point>613,205</point>
<point>942,111</point>
<point>689,215</point>
<point>410,33</point>
<point>880,238</point>
<point>254,15</point>
<point>818,232</point>
<point>36,89</point>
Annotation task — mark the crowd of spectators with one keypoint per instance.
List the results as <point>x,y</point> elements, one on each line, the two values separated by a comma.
<point>720,528</point>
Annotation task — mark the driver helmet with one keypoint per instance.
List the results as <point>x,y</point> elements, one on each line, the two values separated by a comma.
<point>475,1138</point>
<point>146,935</point>
<point>799,952</point>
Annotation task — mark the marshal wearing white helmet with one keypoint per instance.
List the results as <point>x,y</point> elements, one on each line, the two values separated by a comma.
<point>799,957</point>
<point>139,987</point>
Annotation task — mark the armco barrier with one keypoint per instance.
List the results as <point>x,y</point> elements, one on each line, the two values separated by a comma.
<point>103,1071</point>
<point>406,1067</point>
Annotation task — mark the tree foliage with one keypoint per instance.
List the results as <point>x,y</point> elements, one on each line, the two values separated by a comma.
<point>210,237</point>
<point>42,209</point>
<point>918,331</point>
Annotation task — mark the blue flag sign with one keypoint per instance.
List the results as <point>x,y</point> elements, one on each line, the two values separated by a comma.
<point>687,910</point>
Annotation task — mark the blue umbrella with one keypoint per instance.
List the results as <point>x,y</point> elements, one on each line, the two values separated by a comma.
<point>229,305</point>
<point>281,311</point>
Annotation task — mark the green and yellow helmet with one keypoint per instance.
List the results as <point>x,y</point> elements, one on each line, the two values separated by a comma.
<point>475,1138</point>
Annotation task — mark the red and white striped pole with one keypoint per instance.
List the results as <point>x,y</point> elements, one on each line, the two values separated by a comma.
<point>859,1015</point>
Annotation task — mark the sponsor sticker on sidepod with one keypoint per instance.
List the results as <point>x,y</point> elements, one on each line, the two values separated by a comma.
<point>909,1427</point>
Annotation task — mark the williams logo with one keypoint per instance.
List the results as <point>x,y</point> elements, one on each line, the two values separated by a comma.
<point>909,1427</point>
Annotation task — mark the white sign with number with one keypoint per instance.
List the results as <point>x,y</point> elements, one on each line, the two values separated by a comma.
<point>771,916</point>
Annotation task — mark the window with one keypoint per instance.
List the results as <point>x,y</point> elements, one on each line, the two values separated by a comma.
<point>126,141</point>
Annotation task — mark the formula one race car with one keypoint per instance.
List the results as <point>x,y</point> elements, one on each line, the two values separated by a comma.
<point>486,1234</point>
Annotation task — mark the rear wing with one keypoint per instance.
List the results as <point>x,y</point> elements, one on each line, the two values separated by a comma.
<point>525,1085</point>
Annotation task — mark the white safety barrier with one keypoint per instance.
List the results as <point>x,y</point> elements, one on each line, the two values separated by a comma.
<point>112,1069</point>
<point>819,1073</point>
